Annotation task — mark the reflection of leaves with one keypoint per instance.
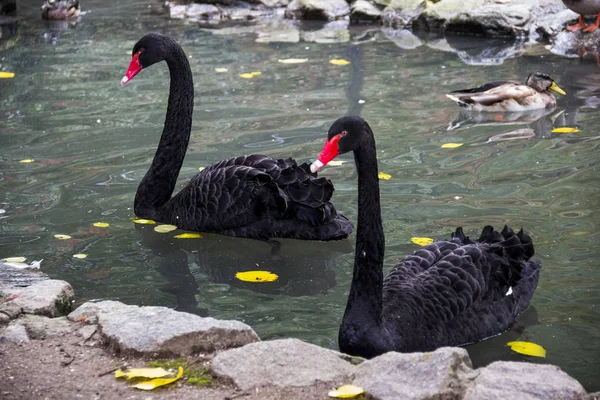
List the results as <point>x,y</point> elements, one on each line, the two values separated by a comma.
<point>528,348</point>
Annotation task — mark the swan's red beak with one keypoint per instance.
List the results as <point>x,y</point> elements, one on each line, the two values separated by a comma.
<point>329,152</point>
<point>134,68</point>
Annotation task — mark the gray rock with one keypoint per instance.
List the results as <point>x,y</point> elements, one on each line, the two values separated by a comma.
<point>402,13</point>
<point>202,11</point>
<point>437,375</point>
<point>39,327</point>
<point>283,363</point>
<point>4,319</point>
<point>493,20</point>
<point>49,297</point>
<point>11,275</point>
<point>14,334</point>
<point>87,331</point>
<point>363,10</point>
<point>178,12</point>
<point>317,9</point>
<point>9,308</point>
<point>275,3</point>
<point>524,381</point>
<point>160,330</point>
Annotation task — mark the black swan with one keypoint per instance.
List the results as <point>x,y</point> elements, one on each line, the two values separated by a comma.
<point>248,196</point>
<point>448,293</point>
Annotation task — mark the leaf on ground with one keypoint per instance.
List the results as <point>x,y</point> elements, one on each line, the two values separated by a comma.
<point>220,69</point>
<point>293,60</point>
<point>164,228</point>
<point>256,276</point>
<point>81,256</point>
<point>62,237</point>
<point>15,259</point>
<point>421,241</point>
<point>337,61</point>
<point>565,129</point>
<point>27,160</point>
<point>101,224</point>
<point>335,163</point>
<point>346,392</point>
<point>142,373</point>
<point>154,383</point>
<point>528,348</point>
<point>188,236</point>
<point>384,176</point>
<point>451,145</point>
<point>7,75</point>
<point>143,221</point>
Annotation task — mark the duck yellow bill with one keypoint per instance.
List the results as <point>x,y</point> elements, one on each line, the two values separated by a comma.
<point>554,87</point>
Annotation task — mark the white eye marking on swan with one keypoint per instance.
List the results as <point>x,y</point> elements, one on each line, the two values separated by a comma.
<point>509,292</point>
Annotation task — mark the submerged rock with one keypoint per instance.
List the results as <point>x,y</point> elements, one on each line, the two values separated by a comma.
<point>317,9</point>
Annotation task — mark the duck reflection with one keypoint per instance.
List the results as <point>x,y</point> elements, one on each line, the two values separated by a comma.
<point>303,267</point>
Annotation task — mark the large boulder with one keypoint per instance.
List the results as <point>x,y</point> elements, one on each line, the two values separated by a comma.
<point>47,297</point>
<point>317,9</point>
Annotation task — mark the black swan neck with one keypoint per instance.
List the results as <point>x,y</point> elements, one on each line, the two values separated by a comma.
<point>157,186</point>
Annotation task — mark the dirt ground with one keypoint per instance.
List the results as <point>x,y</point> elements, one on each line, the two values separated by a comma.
<point>64,367</point>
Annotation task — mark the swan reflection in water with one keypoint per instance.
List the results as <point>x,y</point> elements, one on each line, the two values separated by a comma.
<point>303,267</point>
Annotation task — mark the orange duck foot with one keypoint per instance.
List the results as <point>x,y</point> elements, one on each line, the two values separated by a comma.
<point>577,26</point>
<point>592,28</point>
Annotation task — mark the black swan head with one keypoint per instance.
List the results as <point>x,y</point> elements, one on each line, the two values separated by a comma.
<point>152,48</point>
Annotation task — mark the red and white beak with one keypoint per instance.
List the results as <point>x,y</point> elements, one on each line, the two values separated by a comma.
<point>134,68</point>
<point>329,152</point>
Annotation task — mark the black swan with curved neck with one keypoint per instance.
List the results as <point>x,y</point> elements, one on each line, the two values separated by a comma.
<point>248,196</point>
<point>449,293</point>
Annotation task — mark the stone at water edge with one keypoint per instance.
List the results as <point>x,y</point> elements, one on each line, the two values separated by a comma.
<point>363,10</point>
<point>317,9</point>
<point>48,297</point>
<point>282,363</point>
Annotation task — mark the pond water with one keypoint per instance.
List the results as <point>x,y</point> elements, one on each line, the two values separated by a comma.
<point>92,141</point>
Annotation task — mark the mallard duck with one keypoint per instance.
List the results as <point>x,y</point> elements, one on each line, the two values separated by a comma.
<point>507,96</point>
<point>60,9</point>
<point>584,7</point>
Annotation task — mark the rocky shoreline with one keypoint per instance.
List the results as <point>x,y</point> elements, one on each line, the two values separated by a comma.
<point>43,341</point>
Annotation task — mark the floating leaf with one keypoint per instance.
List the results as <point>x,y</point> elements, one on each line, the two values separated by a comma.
<point>250,75</point>
<point>164,228</point>
<point>62,237</point>
<point>293,60</point>
<point>451,145</point>
<point>565,129</point>
<point>201,169</point>
<point>528,348</point>
<point>383,175</point>
<point>336,61</point>
<point>421,241</point>
<point>81,256</point>
<point>154,383</point>
<point>101,224</point>
<point>246,76</point>
<point>188,236</point>
<point>220,69</point>
<point>27,160</point>
<point>142,221</point>
<point>255,73</point>
<point>256,276</point>
<point>7,75</point>
<point>335,163</point>
<point>15,259</point>
<point>346,392</point>
<point>142,373</point>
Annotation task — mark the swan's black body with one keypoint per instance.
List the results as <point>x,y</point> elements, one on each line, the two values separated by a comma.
<point>249,196</point>
<point>446,294</point>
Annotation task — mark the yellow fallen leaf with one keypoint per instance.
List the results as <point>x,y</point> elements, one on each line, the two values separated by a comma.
<point>528,348</point>
<point>421,241</point>
<point>220,69</point>
<point>346,392</point>
<point>293,60</point>
<point>164,228</point>
<point>15,259</point>
<point>142,373</point>
<point>256,73</point>
<point>154,383</point>
<point>256,276</point>
<point>101,224</point>
<point>201,169</point>
<point>27,160</point>
<point>335,163</point>
<point>142,221</point>
<point>451,145</point>
<point>5,75</point>
<point>188,236</point>
<point>383,175</point>
<point>246,76</point>
<point>62,237</point>
<point>565,129</point>
<point>339,62</point>
<point>81,256</point>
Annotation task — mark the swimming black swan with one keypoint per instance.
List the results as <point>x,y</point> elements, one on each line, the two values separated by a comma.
<point>446,294</point>
<point>248,196</point>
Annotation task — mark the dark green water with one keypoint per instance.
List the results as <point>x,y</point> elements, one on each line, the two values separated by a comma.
<point>93,140</point>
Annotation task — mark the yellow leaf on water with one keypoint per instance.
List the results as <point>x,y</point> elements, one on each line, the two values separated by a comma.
<point>164,228</point>
<point>144,221</point>
<point>528,348</point>
<point>565,129</point>
<point>256,276</point>
<point>220,69</point>
<point>246,76</point>
<point>101,224</point>
<point>336,61</point>
<point>451,145</point>
<point>154,383</point>
<point>188,236</point>
<point>15,259</point>
<point>383,175</point>
<point>201,169</point>
<point>293,60</point>
<point>255,73</point>
<point>335,163</point>
<point>346,392</point>
<point>62,237</point>
<point>80,256</point>
<point>7,75</point>
<point>142,373</point>
<point>421,241</point>
<point>27,160</point>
